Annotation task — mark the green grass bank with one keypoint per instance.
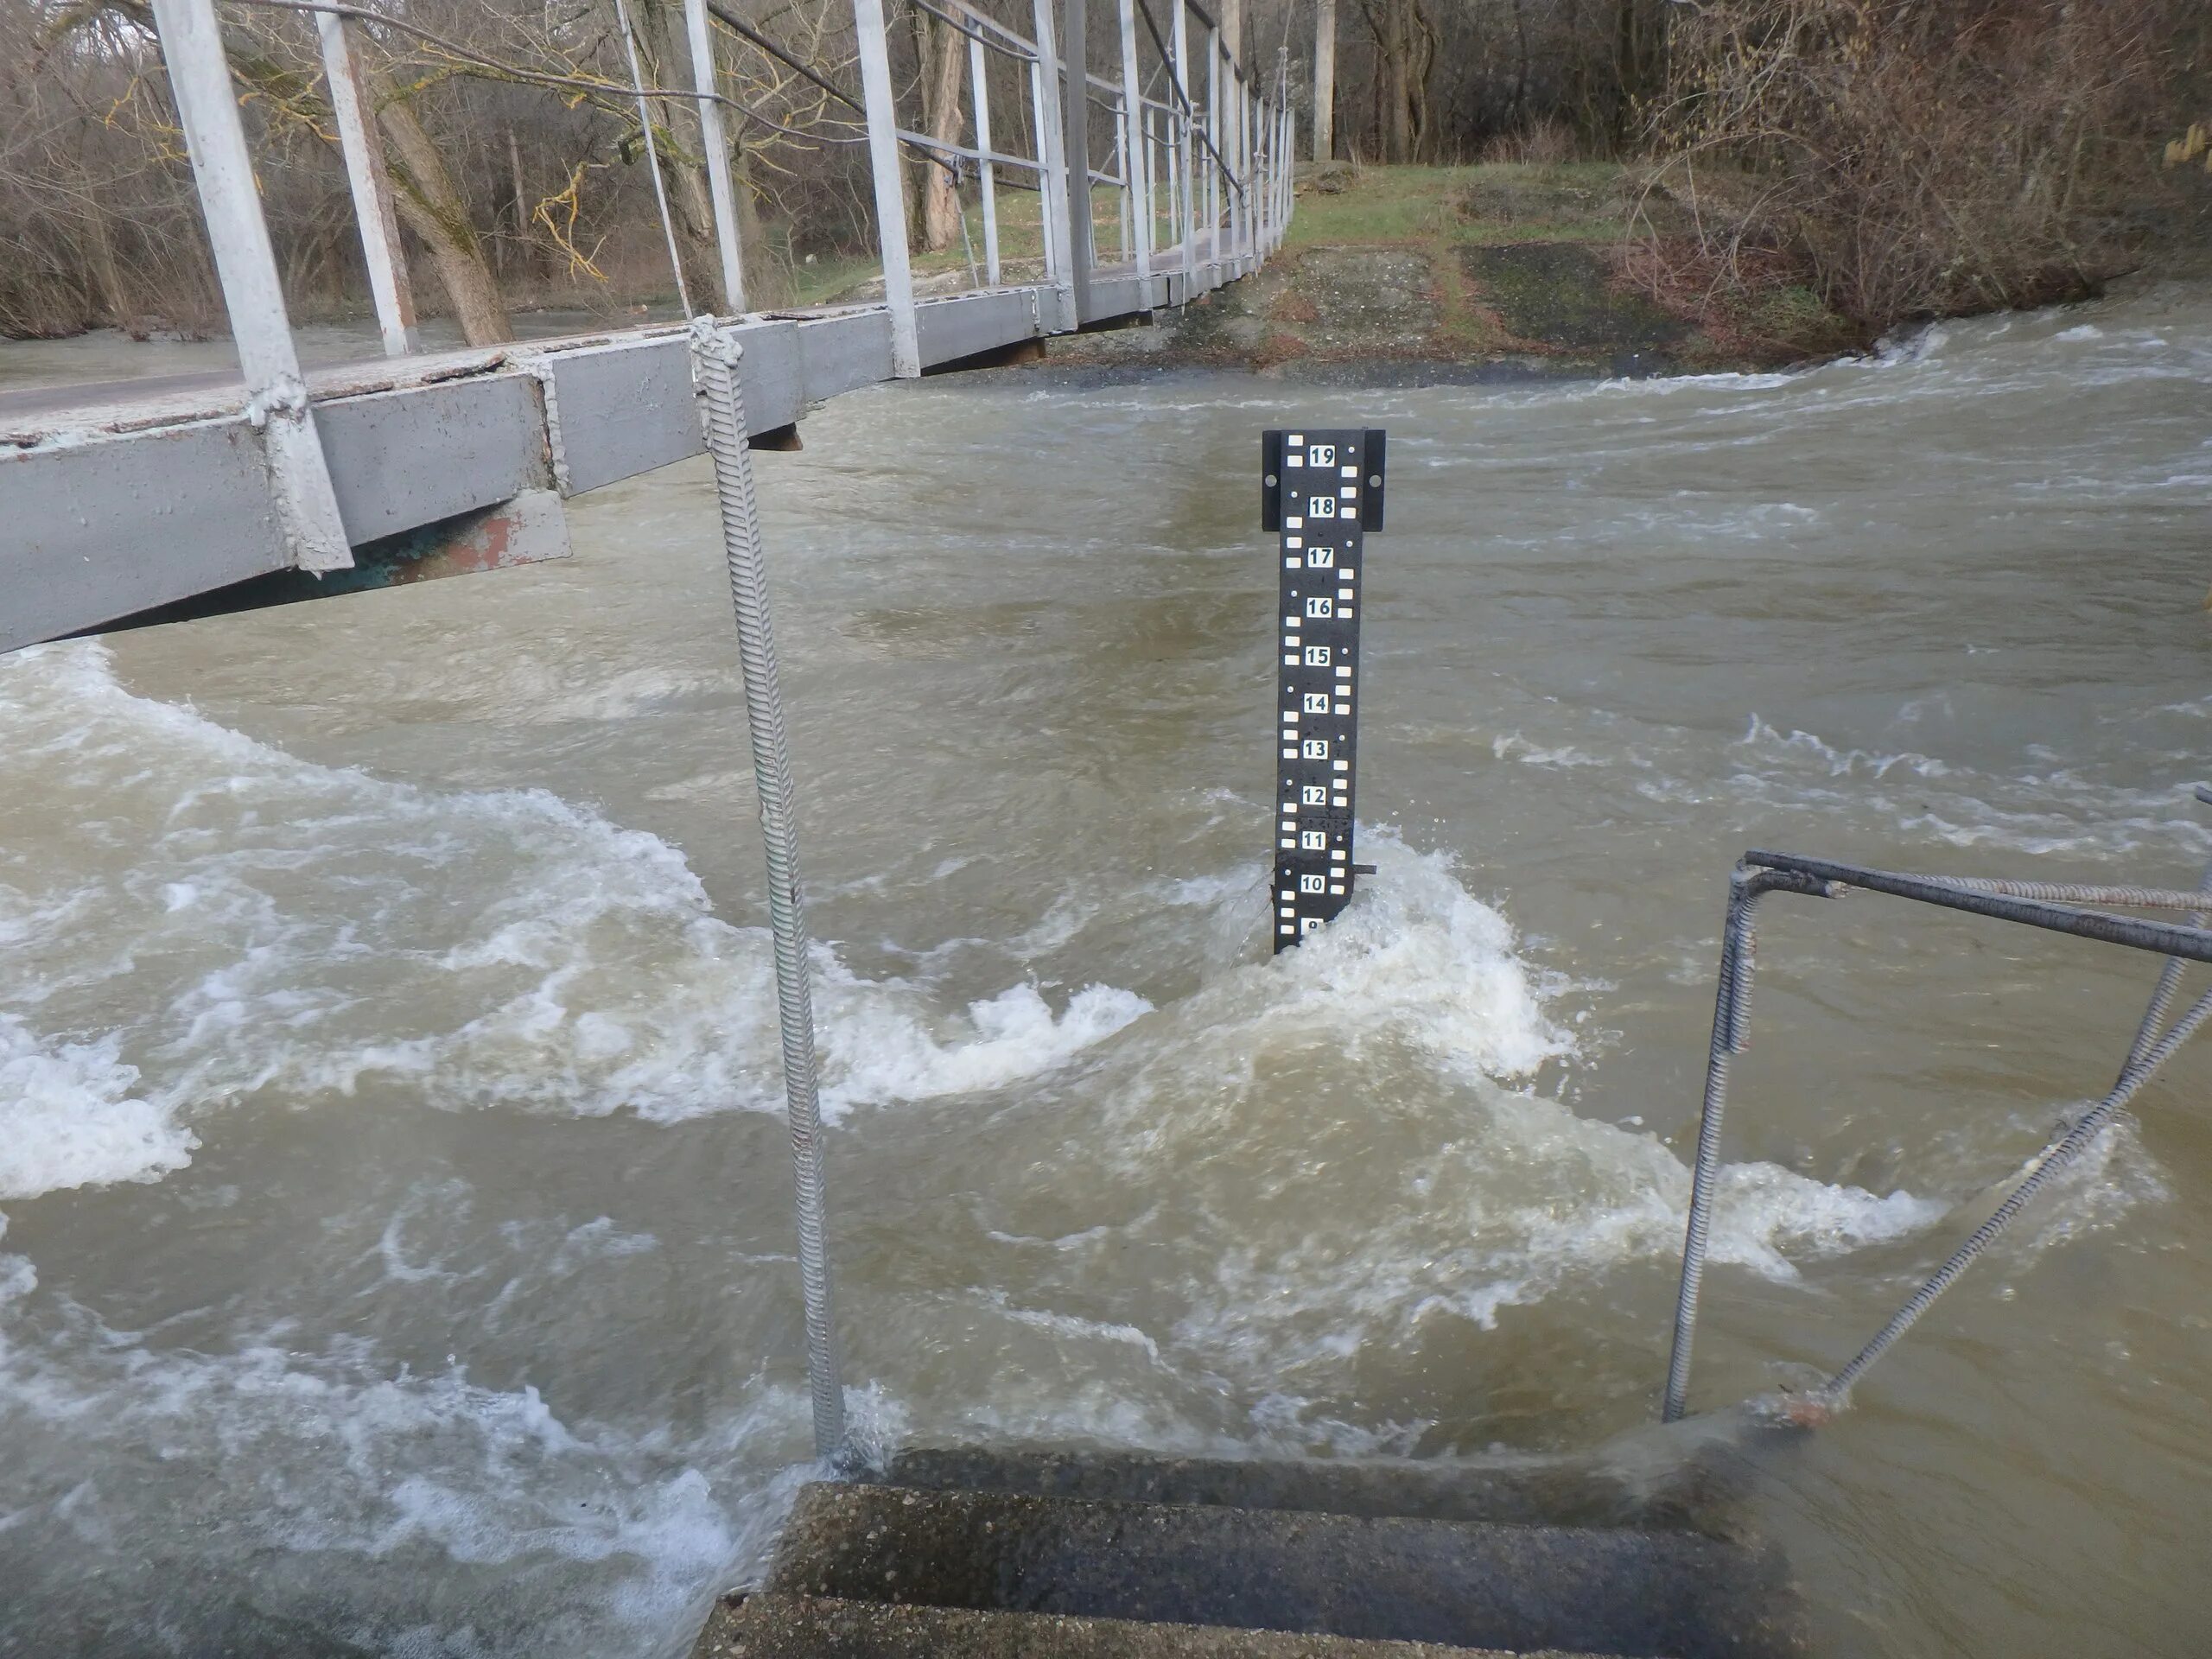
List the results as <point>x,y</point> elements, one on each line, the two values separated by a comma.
<point>1504,269</point>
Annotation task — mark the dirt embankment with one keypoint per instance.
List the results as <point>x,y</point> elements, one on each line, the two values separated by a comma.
<point>1492,272</point>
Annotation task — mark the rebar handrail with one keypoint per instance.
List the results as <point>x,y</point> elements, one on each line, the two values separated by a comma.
<point>2026,902</point>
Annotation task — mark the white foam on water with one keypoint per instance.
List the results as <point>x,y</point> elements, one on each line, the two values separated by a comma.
<point>1841,763</point>
<point>1511,745</point>
<point>70,1116</point>
<point>1526,1201</point>
<point>372,1471</point>
<point>1329,1152</point>
<point>306,931</point>
<point>2044,809</point>
<point>1416,958</point>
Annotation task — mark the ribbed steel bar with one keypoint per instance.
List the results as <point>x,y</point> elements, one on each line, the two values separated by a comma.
<point>1837,1392</point>
<point>2026,902</point>
<point>1731,1031</point>
<point>715,356</point>
<point>2162,995</point>
<point>2194,944</point>
<point>2080,892</point>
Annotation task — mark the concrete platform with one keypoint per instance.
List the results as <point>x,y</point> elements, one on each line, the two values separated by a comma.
<point>774,1626</point>
<point>1529,1491</point>
<point>1465,1584</point>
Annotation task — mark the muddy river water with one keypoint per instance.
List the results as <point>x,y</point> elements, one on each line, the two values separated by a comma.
<point>398,1250</point>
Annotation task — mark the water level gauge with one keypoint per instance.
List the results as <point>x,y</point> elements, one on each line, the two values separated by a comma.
<point>1320,491</point>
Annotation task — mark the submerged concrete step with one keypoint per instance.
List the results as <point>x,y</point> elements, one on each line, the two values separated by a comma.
<point>1529,1490</point>
<point>774,1626</point>
<point>1468,1583</point>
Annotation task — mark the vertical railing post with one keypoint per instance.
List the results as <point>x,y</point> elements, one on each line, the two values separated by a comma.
<point>1247,154</point>
<point>1232,113</point>
<point>986,175</point>
<point>1075,117</point>
<point>1127,175</point>
<point>222,168</point>
<point>715,143</point>
<point>1137,151</point>
<point>1264,220</point>
<point>1286,140</point>
<point>1150,128</point>
<point>1048,213</point>
<point>890,192</point>
<point>1159,160</point>
<point>1185,221</point>
<point>1052,153</point>
<point>370,185</point>
<point>1272,130</point>
<point>1217,186</point>
<point>1171,162</point>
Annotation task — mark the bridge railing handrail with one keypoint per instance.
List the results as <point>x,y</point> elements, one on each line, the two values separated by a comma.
<point>1201,173</point>
<point>2066,908</point>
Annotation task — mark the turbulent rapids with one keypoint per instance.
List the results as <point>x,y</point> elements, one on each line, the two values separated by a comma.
<point>396,1252</point>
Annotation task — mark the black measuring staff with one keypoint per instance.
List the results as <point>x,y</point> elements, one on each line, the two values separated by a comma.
<point>1321,492</point>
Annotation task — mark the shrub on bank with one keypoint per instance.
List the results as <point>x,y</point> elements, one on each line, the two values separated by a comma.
<point>1906,159</point>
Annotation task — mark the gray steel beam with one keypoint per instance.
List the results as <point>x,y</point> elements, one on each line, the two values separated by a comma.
<point>118,507</point>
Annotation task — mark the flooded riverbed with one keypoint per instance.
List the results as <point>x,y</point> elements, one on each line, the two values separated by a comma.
<point>398,1250</point>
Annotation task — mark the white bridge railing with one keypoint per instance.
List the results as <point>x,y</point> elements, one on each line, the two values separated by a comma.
<point>1197,163</point>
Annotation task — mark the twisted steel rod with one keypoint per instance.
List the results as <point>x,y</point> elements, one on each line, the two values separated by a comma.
<point>1836,1393</point>
<point>714,356</point>
<point>2029,902</point>
<point>1731,1034</point>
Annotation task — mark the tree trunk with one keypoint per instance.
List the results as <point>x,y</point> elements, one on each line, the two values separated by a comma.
<point>941,110</point>
<point>1627,72</point>
<point>683,162</point>
<point>768,278</point>
<point>1421,43</point>
<point>1405,49</point>
<point>1325,79</point>
<point>423,192</point>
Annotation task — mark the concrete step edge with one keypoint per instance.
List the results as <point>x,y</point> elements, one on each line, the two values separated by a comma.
<point>1529,1491</point>
<point>1470,1584</point>
<point>771,1624</point>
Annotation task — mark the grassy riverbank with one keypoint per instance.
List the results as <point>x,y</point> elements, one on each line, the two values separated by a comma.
<point>1504,268</point>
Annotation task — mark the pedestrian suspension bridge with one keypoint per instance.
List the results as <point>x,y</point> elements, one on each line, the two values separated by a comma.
<point>118,500</point>
<point>275,484</point>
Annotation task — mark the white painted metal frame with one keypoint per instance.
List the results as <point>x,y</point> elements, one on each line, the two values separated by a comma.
<point>890,193</point>
<point>715,143</point>
<point>370,185</point>
<point>986,170</point>
<point>1044,93</point>
<point>1135,161</point>
<point>222,168</point>
<point>1187,222</point>
<point>1213,143</point>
